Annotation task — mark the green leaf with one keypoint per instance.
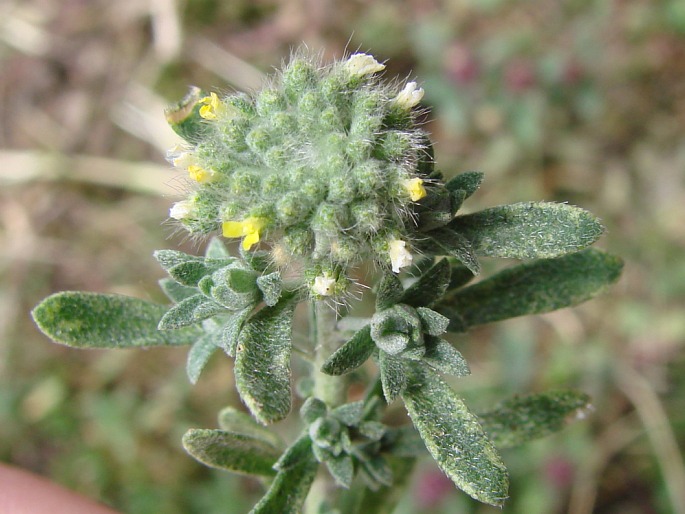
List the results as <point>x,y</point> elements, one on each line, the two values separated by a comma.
<point>378,470</point>
<point>529,230</point>
<point>216,249</point>
<point>271,287</point>
<point>262,363</point>
<point>341,469</point>
<point>521,419</point>
<point>404,441</point>
<point>237,422</point>
<point>393,376</point>
<point>455,244</point>
<point>385,499</point>
<point>460,275</point>
<point>432,323</point>
<point>190,273</point>
<point>352,354</point>
<point>92,320</point>
<point>231,332</point>
<point>388,292</point>
<point>469,182</point>
<point>238,453</point>
<point>299,451</point>
<point>441,356</point>
<point>288,491</point>
<point>189,312</point>
<point>170,258</point>
<point>349,414</point>
<point>454,438</point>
<point>175,291</point>
<point>199,355</point>
<point>533,288</point>
<point>430,286</point>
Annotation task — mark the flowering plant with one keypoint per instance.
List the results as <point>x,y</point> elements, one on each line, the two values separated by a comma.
<point>325,170</point>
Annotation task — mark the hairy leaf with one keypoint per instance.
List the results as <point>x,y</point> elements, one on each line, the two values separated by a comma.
<point>199,355</point>
<point>454,437</point>
<point>430,286</point>
<point>441,356</point>
<point>352,354</point>
<point>238,453</point>
<point>232,326</point>
<point>175,291</point>
<point>456,245</point>
<point>468,181</point>
<point>238,422</point>
<point>92,320</point>
<point>521,419</point>
<point>189,312</point>
<point>529,230</point>
<point>341,469</point>
<point>393,376</point>
<point>262,364</point>
<point>288,491</point>
<point>388,291</point>
<point>533,288</point>
<point>271,287</point>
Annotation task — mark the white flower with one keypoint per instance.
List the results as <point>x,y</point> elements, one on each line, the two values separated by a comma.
<point>180,157</point>
<point>399,255</point>
<point>410,96</point>
<point>360,65</point>
<point>323,285</point>
<point>181,210</point>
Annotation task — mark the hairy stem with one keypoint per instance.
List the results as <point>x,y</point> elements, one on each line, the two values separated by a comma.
<point>330,389</point>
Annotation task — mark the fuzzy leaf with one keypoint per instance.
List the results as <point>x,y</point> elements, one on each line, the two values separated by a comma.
<point>441,356</point>
<point>521,419</point>
<point>271,287</point>
<point>231,331</point>
<point>170,258</point>
<point>92,320</point>
<point>288,491</point>
<point>393,376</point>
<point>216,249</point>
<point>455,244</point>
<point>529,230</point>
<point>299,451</point>
<point>312,409</point>
<point>349,414</point>
<point>238,453</point>
<point>175,291</point>
<point>199,355</point>
<point>237,422</point>
<point>352,354</point>
<point>341,469</point>
<point>385,499</point>
<point>388,292</point>
<point>189,312</point>
<point>460,275</point>
<point>262,363</point>
<point>190,273</point>
<point>430,286</point>
<point>404,441</point>
<point>379,470</point>
<point>533,288</point>
<point>432,323</point>
<point>469,182</point>
<point>454,438</point>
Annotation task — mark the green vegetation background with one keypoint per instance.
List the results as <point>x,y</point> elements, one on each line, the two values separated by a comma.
<point>578,101</point>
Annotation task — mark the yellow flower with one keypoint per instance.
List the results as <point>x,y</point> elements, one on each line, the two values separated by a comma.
<point>212,107</point>
<point>415,189</point>
<point>199,174</point>
<point>248,229</point>
<point>399,255</point>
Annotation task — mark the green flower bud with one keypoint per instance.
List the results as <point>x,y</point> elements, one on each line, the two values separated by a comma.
<point>396,329</point>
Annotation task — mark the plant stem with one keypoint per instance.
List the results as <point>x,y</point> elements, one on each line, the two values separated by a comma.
<point>332,390</point>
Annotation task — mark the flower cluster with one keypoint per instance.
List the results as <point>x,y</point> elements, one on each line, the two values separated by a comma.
<point>326,166</point>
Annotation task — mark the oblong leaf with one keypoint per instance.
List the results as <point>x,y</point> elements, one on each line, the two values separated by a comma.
<point>469,182</point>
<point>529,230</point>
<point>175,291</point>
<point>522,419</point>
<point>393,376</point>
<point>430,286</point>
<point>238,453</point>
<point>199,355</point>
<point>238,422</point>
<point>352,354</point>
<point>93,320</point>
<point>189,312</point>
<point>290,488</point>
<point>441,356</point>
<point>454,438</point>
<point>533,288</point>
<point>449,242</point>
<point>262,363</point>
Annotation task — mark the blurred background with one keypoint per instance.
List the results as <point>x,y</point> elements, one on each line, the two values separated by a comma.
<point>580,101</point>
